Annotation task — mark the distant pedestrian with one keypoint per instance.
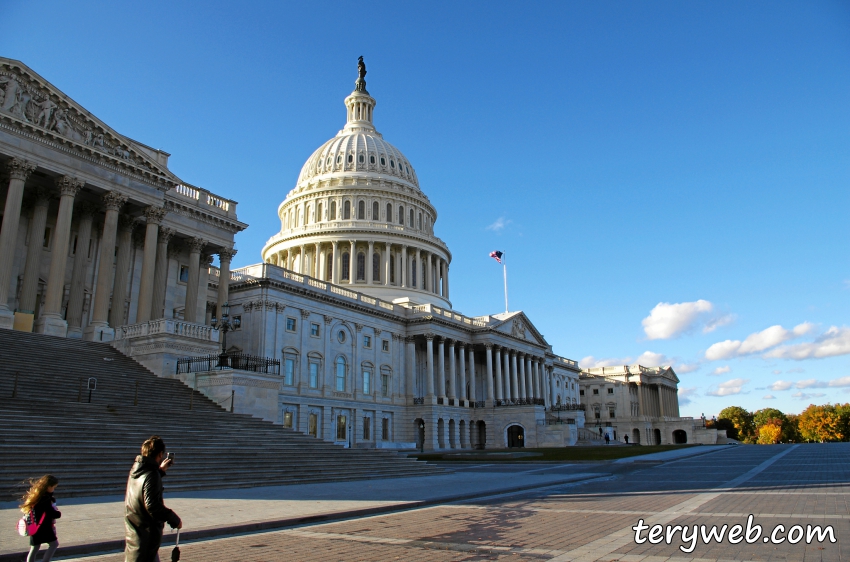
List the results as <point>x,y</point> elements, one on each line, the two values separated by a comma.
<point>626,437</point>
<point>607,439</point>
<point>145,513</point>
<point>40,502</point>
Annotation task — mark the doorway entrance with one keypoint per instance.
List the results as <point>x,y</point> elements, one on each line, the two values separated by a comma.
<point>516,436</point>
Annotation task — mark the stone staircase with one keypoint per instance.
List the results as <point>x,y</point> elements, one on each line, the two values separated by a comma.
<point>50,427</point>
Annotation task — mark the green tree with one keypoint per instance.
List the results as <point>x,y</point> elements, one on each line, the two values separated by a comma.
<point>791,430</point>
<point>742,420</point>
<point>761,417</point>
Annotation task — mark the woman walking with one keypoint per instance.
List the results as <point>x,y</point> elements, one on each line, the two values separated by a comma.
<point>39,500</point>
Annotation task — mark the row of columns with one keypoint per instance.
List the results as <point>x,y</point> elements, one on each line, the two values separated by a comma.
<point>112,281</point>
<point>658,400</point>
<point>449,384</point>
<point>410,261</point>
<point>518,376</point>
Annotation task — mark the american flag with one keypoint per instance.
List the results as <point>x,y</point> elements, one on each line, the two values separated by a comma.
<point>497,255</point>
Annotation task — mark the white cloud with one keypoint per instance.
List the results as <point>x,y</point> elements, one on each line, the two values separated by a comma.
<point>686,368</point>
<point>839,382</point>
<point>811,383</point>
<point>718,322</point>
<point>768,397</point>
<point>777,372</point>
<point>781,385</point>
<point>591,362</point>
<point>647,359</point>
<point>721,371</point>
<point>685,395</point>
<point>499,225</point>
<point>667,321</point>
<point>756,343</point>
<point>806,396</point>
<point>729,388</point>
<point>650,359</point>
<point>833,342</point>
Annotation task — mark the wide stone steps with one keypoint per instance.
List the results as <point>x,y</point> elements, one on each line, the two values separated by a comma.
<point>90,447</point>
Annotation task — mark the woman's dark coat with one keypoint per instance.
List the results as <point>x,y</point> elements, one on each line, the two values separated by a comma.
<point>47,532</point>
<point>144,511</point>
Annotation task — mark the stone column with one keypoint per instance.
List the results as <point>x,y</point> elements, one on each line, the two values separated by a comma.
<point>77,295</point>
<point>203,284</point>
<point>410,370</point>
<point>472,391</point>
<point>514,377</point>
<point>553,390</point>
<point>316,262</point>
<point>462,364</point>
<point>402,267</point>
<point>29,289</point>
<point>452,371</point>
<point>369,264</point>
<point>529,379</point>
<point>538,386</point>
<point>99,329</point>
<point>523,388</point>
<point>499,381</point>
<point>225,255</point>
<point>489,382</point>
<point>429,274</point>
<point>19,170</point>
<point>446,295</point>
<point>641,410</point>
<point>662,411</point>
<point>335,263</point>
<point>441,369</point>
<point>352,262</point>
<point>387,264</point>
<point>160,276</point>
<point>417,280</point>
<point>190,309</point>
<point>429,375</point>
<point>51,321</point>
<point>154,216</point>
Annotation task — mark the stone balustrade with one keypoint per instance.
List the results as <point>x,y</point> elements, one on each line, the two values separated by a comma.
<point>204,199</point>
<point>168,326</point>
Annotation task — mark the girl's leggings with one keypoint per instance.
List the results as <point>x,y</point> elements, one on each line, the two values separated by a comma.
<point>48,554</point>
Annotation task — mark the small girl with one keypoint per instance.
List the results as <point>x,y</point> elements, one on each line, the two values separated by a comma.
<point>39,500</point>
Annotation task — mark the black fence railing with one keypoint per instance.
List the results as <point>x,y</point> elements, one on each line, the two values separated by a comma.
<point>519,402</point>
<point>566,407</point>
<point>417,401</point>
<point>479,404</point>
<point>238,361</point>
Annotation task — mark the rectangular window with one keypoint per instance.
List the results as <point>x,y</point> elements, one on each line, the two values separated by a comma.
<point>611,413</point>
<point>367,428</point>
<point>597,414</point>
<point>610,391</point>
<point>288,371</point>
<point>385,385</point>
<point>385,345</point>
<point>595,391</point>
<point>367,342</point>
<point>340,428</point>
<point>314,375</point>
<point>287,419</point>
<point>290,324</point>
<point>581,392</point>
<point>314,330</point>
<point>367,382</point>
<point>385,429</point>
<point>183,275</point>
<point>46,241</point>
<point>312,425</point>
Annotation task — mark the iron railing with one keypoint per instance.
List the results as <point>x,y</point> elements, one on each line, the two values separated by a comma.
<point>566,407</point>
<point>479,404</point>
<point>519,402</point>
<point>238,361</point>
<point>417,401</point>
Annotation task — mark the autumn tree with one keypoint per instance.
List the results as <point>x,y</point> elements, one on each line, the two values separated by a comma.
<point>820,423</point>
<point>742,420</point>
<point>770,432</point>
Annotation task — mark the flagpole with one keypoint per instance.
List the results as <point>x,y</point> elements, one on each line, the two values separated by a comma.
<point>505,272</point>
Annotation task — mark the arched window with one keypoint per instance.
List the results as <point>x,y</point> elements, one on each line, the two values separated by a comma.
<point>319,212</point>
<point>419,224</point>
<point>376,267</point>
<point>361,266</point>
<point>307,215</point>
<point>400,214</point>
<point>286,221</point>
<point>376,211</point>
<point>330,267</point>
<point>392,268</point>
<point>332,214</point>
<point>346,263</point>
<point>346,210</point>
<point>411,219</point>
<point>413,273</point>
<point>389,212</point>
<point>340,373</point>
<point>361,210</point>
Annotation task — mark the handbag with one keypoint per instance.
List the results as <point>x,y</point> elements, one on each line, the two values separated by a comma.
<point>27,526</point>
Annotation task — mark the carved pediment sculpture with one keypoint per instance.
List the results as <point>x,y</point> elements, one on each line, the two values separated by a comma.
<point>518,328</point>
<point>29,104</point>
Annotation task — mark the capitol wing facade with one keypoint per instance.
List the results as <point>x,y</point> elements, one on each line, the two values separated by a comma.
<point>345,330</point>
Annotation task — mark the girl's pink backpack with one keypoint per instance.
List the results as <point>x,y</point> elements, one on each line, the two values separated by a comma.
<point>27,526</point>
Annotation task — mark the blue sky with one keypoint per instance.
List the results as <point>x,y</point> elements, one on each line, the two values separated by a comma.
<point>669,180</point>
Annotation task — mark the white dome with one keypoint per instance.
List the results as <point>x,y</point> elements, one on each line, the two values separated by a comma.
<point>358,151</point>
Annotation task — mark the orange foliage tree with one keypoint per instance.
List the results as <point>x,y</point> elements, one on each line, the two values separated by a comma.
<point>821,423</point>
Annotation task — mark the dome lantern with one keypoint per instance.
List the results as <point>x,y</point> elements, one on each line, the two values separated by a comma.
<point>360,105</point>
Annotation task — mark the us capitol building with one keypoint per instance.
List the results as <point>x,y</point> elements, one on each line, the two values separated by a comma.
<point>345,331</point>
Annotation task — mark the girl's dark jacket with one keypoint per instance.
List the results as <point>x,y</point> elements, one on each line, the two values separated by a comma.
<point>47,532</point>
<point>144,511</point>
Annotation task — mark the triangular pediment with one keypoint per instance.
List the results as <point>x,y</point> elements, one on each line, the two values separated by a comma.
<point>35,108</point>
<point>517,324</point>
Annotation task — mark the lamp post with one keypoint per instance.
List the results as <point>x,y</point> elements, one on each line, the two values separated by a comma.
<point>422,434</point>
<point>225,324</point>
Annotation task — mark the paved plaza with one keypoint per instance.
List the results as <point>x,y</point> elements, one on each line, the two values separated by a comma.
<point>586,520</point>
